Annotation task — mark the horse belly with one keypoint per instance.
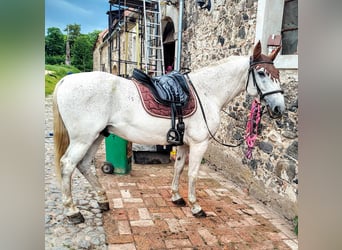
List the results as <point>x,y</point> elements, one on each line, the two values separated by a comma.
<point>134,124</point>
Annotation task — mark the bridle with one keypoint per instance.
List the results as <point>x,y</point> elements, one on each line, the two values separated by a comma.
<point>255,114</point>
<point>252,65</point>
<point>204,116</point>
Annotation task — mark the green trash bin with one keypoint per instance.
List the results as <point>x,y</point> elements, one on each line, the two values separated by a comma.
<point>118,155</point>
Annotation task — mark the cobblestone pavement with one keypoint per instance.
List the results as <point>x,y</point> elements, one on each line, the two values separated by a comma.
<point>141,215</point>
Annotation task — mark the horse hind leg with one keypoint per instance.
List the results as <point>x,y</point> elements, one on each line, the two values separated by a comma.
<point>84,168</point>
<point>178,169</point>
<point>72,157</point>
<point>70,210</point>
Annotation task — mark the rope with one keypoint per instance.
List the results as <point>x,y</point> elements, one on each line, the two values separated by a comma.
<point>252,123</point>
<point>252,127</point>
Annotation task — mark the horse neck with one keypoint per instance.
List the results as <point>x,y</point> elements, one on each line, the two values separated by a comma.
<point>223,81</point>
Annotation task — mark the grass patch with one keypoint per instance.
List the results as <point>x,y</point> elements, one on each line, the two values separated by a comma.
<point>57,73</point>
<point>295,222</point>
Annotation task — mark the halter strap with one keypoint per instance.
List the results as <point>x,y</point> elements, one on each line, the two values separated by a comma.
<point>251,63</point>
<point>251,67</point>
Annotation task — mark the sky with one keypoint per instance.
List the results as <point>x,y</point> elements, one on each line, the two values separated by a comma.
<point>90,14</point>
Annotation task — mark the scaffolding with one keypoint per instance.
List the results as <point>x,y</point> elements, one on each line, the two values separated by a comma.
<point>135,37</point>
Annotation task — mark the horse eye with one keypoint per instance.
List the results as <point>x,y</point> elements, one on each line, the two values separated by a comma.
<point>261,73</point>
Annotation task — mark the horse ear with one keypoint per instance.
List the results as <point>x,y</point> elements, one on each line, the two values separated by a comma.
<point>274,53</point>
<point>257,50</point>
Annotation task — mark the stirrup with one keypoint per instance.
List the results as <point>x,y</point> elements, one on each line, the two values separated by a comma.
<point>173,137</point>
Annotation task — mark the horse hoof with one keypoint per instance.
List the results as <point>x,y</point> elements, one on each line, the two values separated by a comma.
<point>76,218</point>
<point>104,206</point>
<point>180,202</point>
<point>200,214</point>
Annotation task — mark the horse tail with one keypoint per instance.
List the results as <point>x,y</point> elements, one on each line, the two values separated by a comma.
<point>60,136</point>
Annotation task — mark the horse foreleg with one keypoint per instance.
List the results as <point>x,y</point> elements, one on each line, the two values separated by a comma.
<point>178,169</point>
<point>195,157</point>
<point>84,168</point>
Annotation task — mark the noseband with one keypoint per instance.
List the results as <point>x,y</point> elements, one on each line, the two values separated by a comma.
<point>262,95</point>
<point>251,67</point>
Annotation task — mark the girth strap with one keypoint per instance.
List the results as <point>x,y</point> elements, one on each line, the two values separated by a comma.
<point>175,135</point>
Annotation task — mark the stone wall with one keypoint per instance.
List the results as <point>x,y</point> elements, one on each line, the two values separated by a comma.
<point>272,174</point>
<point>100,54</point>
<point>227,29</point>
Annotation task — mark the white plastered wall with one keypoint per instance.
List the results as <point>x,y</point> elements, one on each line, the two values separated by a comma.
<point>269,21</point>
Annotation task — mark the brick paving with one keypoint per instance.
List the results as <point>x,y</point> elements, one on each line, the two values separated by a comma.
<point>142,215</point>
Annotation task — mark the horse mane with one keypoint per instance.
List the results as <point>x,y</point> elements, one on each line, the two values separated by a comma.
<point>60,136</point>
<point>218,62</point>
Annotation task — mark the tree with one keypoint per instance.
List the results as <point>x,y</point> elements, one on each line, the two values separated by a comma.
<point>82,56</point>
<point>73,31</point>
<point>93,36</point>
<point>82,51</point>
<point>72,49</point>
<point>54,46</point>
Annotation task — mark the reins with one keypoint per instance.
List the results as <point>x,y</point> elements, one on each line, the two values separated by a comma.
<point>204,116</point>
<point>254,115</point>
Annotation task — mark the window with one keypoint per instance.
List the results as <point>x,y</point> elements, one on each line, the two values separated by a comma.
<point>270,22</point>
<point>289,28</point>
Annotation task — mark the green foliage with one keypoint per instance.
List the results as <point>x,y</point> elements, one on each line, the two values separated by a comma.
<point>82,53</point>
<point>59,59</point>
<point>81,47</point>
<point>92,36</point>
<point>54,42</point>
<point>73,31</point>
<point>295,222</point>
<point>57,73</point>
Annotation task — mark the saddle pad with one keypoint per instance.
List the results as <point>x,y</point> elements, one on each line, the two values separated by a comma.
<point>166,89</point>
<point>159,110</point>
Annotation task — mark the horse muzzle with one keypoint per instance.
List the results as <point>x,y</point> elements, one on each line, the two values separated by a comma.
<point>275,104</point>
<point>276,111</point>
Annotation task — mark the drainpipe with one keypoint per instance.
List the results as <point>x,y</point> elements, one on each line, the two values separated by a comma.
<point>179,44</point>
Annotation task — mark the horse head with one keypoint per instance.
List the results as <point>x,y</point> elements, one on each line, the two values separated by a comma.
<point>263,80</point>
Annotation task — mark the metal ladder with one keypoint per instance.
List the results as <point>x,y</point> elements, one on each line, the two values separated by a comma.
<point>153,38</point>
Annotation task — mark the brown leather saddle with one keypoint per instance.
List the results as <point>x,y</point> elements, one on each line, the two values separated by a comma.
<point>172,98</point>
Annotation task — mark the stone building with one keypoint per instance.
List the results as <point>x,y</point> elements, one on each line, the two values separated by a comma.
<point>212,30</point>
